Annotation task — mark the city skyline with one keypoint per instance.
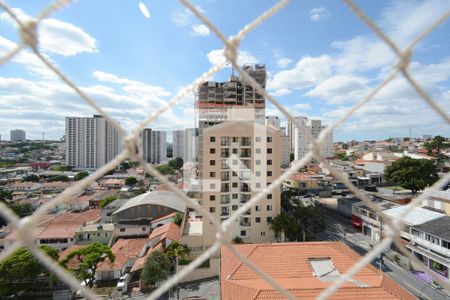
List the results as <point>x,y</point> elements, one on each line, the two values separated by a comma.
<point>320,58</point>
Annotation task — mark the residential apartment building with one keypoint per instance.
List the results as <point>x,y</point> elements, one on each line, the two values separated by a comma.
<point>285,150</point>
<point>154,146</point>
<point>18,135</point>
<point>91,142</point>
<point>190,148</point>
<point>291,128</point>
<point>301,143</point>
<point>273,120</point>
<point>146,136</point>
<point>178,143</point>
<point>240,159</point>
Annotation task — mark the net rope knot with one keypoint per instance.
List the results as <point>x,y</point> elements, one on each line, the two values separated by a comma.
<point>405,58</point>
<point>28,34</point>
<point>231,49</point>
<point>24,231</point>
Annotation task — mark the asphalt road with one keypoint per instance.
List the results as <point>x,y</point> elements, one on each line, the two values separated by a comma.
<point>336,222</point>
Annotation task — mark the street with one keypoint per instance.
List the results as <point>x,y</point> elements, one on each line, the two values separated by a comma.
<point>338,228</point>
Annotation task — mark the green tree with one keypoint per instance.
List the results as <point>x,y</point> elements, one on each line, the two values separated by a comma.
<point>413,174</point>
<point>156,268</point>
<point>31,178</point>
<point>286,199</point>
<point>21,273</point>
<point>22,210</point>
<point>131,181</point>
<point>139,191</point>
<point>107,200</point>
<point>64,178</point>
<point>165,169</point>
<point>177,252</point>
<point>81,175</point>
<point>63,168</point>
<point>5,195</point>
<point>301,223</point>
<point>178,218</point>
<point>438,143</point>
<point>176,163</point>
<point>87,260</point>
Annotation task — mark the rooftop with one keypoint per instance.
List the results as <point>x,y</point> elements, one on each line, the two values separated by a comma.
<point>170,231</point>
<point>439,227</point>
<point>124,250</point>
<point>417,216</point>
<point>317,265</point>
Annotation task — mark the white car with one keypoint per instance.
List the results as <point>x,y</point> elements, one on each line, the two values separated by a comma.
<point>122,285</point>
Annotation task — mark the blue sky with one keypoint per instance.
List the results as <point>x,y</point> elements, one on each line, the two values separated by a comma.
<point>321,60</point>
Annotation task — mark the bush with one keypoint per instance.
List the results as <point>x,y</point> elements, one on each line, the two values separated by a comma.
<point>396,259</point>
<point>183,262</point>
<point>205,264</point>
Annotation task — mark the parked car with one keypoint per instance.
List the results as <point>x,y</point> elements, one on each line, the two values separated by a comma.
<point>122,285</point>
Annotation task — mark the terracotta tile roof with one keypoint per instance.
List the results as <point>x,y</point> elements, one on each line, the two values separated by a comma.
<point>169,230</point>
<point>139,263</point>
<point>240,282</point>
<point>124,250</point>
<point>60,231</point>
<point>74,262</point>
<point>55,184</point>
<point>171,215</point>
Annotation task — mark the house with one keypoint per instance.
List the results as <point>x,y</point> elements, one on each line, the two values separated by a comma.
<point>317,265</point>
<point>54,186</point>
<point>439,201</point>
<point>91,233</point>
<point>25,187</point>
<point>430,243</point>
<point>109,209</point>
<point>126,251</point>
<point>112,183</point>
<point>166,234</point>
<point>163,220</point>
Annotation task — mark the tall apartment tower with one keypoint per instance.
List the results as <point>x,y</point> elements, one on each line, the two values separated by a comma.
<point>238,156</point>
<point>18,135</point>
<point>178,143</point>
<point>158,147</point>
<point>273,120</point>
<point>190,148</point>
<point>301,144</point>
<point>147,144</point>
<point>291,128</point>
<point>90,142</point>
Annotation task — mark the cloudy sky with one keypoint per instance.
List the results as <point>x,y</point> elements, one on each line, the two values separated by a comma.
<point>321,59</point>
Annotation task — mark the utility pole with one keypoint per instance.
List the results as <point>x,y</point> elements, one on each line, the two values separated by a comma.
<point>43,136</point>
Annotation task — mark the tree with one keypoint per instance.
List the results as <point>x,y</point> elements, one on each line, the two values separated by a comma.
<point>165,169</point>
<point>156,268</point>
<point>22,273</point>
<point>81,175</point>
<point>176,163</point>
<point>62,168</point>
<point>438,143</point>
<point>139,191</point>
<point>412,174</point>
<point>5,195</point>
<point>31,178</point>
<point>300,223</point>
<point>286,203</point>
<point>59,178</point>
<point>131,181</point>
<point>87,260</point>
<point>22,210</point>
<point>176,252</point>
<point>178,218</point>
<point>107,200</point>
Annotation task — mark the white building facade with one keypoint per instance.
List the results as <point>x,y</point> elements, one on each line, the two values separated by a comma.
<point>18,135</point>
<point>301,143</point>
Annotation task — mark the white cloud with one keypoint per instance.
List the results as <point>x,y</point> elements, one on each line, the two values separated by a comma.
<point>307,72</point>
<point>200,30</point>
<point>184,17</point>
<point>318,13</point>
<point>58,37</point>
<point>302,106</point>
<point>216,57</point>
<point>281,92</point>
<point>283,62</point>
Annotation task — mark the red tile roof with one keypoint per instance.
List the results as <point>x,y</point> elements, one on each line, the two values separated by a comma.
<point>124,250</point>
<point>240,282</point>
<point>170,231</point>
<point>139,263</point>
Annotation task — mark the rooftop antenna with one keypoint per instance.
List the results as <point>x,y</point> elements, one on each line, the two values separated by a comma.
<point>43,136</point>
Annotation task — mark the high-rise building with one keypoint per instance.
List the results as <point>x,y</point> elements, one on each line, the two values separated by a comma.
<point>291,127</point>
<point>178,143</point>
<point>301,143</point>
<point>147,144</point>
<point>91,142</point>
<point>273,120</point>
<point>238,155</point>
<point>18,135</point>
<point>190,148</point>
<point>158,147</point>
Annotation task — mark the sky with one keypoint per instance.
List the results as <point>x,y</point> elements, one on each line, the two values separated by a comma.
<point>321,59</point>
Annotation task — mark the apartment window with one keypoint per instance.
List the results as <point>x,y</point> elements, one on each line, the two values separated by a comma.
<point>258,162</point>
<point>258,208</point>
<point>445,244</point>
<point>243,233</point>
<point>212,150</point>
<point>212,209</point>
<point>263,233</point>
<point>269,150</point>
<point>258,150</point>
<point>212,162</point>
<point>269,162</point>
<point>225,141</point>
<point>258,139</point>
<point>212,186</point>
<point>257,220</point>
<point>224,164</point>
<point>235,139</point>
<point>212,174</point>
<point>258,173</point>
<point>269,219</point>
<point>234,184</point>
<point>234,196</point>
<point>234,207</point>
<point>212,197</point>
<point>212,139</point>
<point>269,173</point>
<point>269,207</point>
<point>122,229</point>
<point>143,228</point>
<point>258,185</point>
<point>269,139</point>
<point>235,151</point>
<point>269,183</point>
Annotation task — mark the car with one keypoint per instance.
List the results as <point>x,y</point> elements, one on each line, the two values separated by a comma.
<point>122,285</point>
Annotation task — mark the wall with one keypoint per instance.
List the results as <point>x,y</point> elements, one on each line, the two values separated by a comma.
<point>201,273</point>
